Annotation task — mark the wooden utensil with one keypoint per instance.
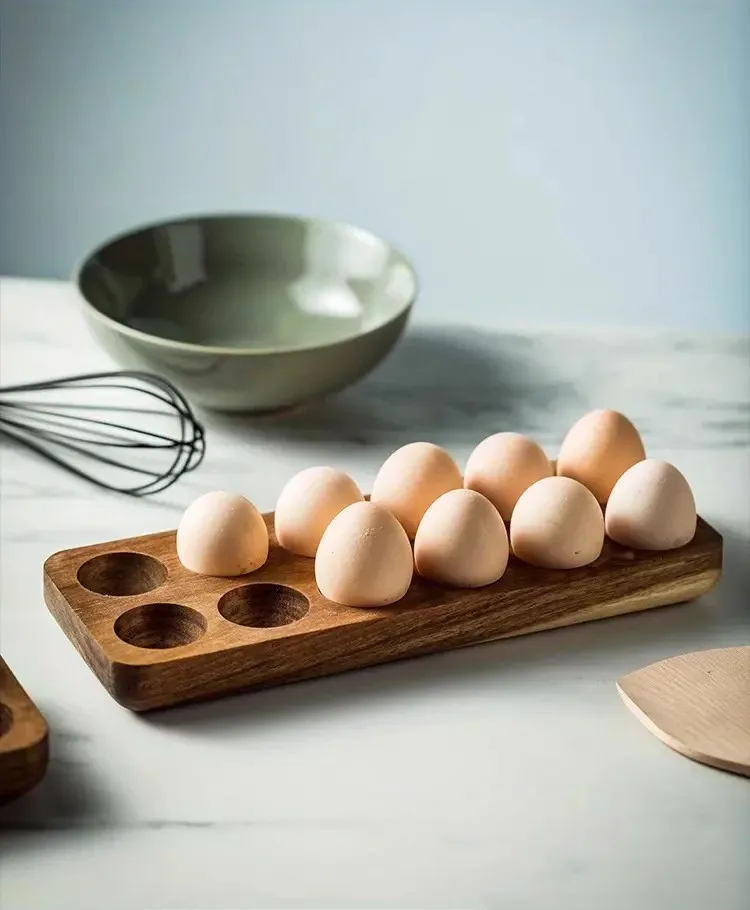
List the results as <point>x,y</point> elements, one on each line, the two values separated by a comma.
<point>698,704</point>
<point>23,739</point>
<point>156,635</point>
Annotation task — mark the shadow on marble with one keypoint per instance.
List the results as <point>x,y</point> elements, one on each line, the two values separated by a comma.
<point>437,384</point>
<point>572,655</point>
<point>68,796</point>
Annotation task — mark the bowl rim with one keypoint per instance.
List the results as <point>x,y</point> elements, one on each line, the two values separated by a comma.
<point>217,350</point>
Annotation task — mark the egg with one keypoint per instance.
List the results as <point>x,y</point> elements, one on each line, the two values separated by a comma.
<point>502,466</point>
<point>308,504</point>
<point>364,558</point>
<point>557,524</point>
<point>461,541</point>
<point>411,479</point>
<point>222,534</point>
<point>651,507</point>
<point>598,449</point>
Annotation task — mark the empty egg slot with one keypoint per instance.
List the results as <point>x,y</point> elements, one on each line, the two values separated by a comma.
<point>6,719</point>
<point>122,574</point>
<point>263,605</point>
<point>160,626</point>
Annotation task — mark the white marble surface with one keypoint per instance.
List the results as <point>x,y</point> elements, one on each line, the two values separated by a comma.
<point>507,775</point>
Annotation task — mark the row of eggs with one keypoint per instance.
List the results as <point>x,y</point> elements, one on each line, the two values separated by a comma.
<point>424,514</point>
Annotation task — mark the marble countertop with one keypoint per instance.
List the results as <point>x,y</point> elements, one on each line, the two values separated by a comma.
<point>508,775</point>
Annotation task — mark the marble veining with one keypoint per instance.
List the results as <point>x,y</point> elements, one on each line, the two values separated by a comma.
<point>503,775</point>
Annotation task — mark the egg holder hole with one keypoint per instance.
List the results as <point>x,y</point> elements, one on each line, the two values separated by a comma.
<point>6,719</point>
<point>122,574</point>
<point>263,605</point>
<point>159,626</point>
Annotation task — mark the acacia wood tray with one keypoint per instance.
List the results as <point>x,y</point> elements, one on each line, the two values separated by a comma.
<point>156,635</point>
<point>23,739</point>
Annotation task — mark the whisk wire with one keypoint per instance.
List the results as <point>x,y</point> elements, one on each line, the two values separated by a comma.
<point>55,429</point>
<point>59,420</point>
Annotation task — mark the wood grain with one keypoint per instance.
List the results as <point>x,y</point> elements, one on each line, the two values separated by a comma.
<point>156,635</point>
<point>698,704</point>
<point>23,739</point>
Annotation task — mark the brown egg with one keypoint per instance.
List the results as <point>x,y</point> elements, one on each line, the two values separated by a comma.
<point>461,541</point>
<point>651,508</point>
<point>557,524</point>
<point>411,479</point>
<point>502,466</point>
<point>364,558</point>
<point>308,504</point>
<point>222,534</point>
<point>598,449</point>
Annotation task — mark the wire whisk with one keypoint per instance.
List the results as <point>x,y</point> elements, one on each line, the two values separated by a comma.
<point>127,431</point>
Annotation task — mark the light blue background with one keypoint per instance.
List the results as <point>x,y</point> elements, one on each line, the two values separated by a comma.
<point>558,161</point>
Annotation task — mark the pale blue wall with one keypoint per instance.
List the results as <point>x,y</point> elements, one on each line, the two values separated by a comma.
<point>563,160</point>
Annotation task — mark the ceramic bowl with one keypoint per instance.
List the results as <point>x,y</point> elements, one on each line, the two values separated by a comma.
<point>248,312</point>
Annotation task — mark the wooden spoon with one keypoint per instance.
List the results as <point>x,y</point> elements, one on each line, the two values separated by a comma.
<point>698,704</point>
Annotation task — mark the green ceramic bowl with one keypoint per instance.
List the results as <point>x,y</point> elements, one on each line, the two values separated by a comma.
<point>248,312</point>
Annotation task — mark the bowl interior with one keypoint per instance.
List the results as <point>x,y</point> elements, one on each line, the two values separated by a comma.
<point>249,282</point>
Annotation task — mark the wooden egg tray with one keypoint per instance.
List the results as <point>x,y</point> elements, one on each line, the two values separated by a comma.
<point>156,635</point>
<point>23,739</point>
